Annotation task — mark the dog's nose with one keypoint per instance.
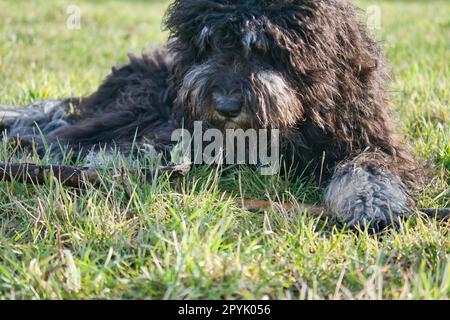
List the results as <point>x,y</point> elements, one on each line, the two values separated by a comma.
<point>229,107</point>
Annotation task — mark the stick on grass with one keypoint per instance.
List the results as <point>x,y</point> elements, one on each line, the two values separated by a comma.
<point>79,177</point>
<point>71,176</point>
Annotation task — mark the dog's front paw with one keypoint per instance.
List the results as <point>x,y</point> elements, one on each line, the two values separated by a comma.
<point>367,197</point>
<point>368,210</point>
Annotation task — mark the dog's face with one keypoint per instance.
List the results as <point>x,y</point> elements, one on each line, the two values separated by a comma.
<point>234,62</point>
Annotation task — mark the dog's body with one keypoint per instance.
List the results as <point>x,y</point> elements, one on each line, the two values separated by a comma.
<point>305,67</point>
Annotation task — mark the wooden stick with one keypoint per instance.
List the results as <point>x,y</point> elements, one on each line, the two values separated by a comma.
<point>321,211</point>
<point>78,177</point>
<point>259,205</point>
<point>71,176</point>
<point>438,214</point>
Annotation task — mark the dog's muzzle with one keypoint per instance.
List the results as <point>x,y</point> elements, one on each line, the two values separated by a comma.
<point>228,106</point>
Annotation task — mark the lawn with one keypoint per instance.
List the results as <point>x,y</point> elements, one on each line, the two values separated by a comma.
<point>188,239</point>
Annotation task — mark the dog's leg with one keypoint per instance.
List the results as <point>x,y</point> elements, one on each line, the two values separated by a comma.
<point>32,120</point>
<point>367,195</point>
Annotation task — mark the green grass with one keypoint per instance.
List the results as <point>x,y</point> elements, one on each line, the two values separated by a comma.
<point>188,239</point>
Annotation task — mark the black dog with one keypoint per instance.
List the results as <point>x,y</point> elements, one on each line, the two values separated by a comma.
<point>306,67</point>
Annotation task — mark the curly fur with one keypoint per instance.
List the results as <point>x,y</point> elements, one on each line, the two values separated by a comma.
<point>306,67</point>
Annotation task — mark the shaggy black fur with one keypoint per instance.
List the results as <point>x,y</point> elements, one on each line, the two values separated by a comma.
<point>306,67</point>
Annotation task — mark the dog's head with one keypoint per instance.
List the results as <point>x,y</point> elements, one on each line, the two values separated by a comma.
<point>238,62</point>
<point>268,63</point>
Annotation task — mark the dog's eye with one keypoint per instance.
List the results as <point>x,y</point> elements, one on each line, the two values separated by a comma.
<point>262,55</point>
